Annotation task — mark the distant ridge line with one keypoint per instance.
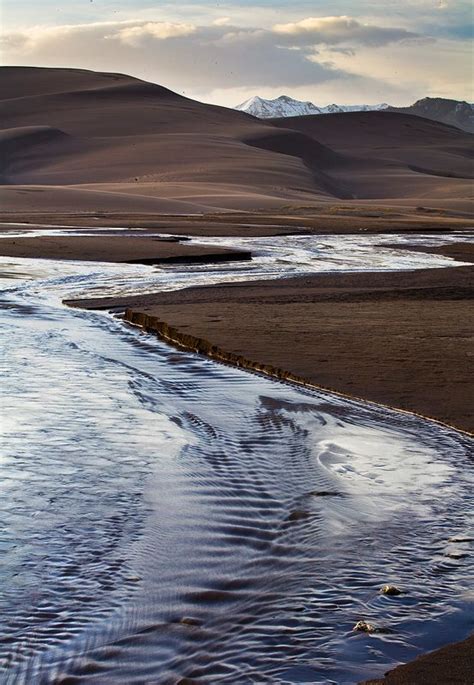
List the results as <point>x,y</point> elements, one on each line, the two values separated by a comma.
<point>457,113</point>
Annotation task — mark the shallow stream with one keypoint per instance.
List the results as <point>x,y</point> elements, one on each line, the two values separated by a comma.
<point>166,519</point>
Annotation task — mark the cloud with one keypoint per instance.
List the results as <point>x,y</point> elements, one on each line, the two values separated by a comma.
<point>161,30</point>
<point>324,59</point>
<point>181,56</point>
<point>336,30</point>
<point>404,73</point>
<point>343,51</point>
<point>32,40</point>
<point>221,21</point>
<point>129,32</point>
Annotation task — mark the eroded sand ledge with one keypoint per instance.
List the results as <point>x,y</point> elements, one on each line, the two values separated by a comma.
<point>191,343</point>
<point>454,662</point>
<point>401,339</point>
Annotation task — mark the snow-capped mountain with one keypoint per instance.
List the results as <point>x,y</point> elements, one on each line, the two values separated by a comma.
<point>284,106</point>
<point>337,109</point>
<point>454,112</point>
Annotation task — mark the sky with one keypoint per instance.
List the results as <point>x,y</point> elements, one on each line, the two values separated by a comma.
<point>343,51</point>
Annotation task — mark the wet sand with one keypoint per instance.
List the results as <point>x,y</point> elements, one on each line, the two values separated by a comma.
<point>404,339</point>
<point>461,252</point>
<point>319,218</point>
<point>448,665</point>
<point>116,248</point>
<point>242,557</point>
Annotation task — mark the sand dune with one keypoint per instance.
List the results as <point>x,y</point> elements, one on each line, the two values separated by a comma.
<point>391,155</point>
<point>94,141</point>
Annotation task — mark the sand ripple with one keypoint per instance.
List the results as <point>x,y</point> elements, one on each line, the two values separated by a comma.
<point>166,519</point>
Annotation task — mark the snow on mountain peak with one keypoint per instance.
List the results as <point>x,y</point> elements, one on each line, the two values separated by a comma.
<point>285,106</point>
<point>282,106</point>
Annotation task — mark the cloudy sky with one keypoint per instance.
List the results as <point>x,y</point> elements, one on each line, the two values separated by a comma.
<point>345,51</point>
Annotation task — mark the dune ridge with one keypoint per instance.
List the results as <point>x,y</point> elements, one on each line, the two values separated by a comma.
<point>90,141</point>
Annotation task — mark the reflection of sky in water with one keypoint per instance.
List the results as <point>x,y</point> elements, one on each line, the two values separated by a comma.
<point>136,477</point>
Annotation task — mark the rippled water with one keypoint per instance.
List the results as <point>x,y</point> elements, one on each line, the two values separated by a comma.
<point>166,519</point>
<point>273,258</point>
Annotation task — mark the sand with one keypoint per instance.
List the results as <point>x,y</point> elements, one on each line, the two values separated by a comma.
<point>144,250</point>
<point>77,141</point>
<point>393,155</point>
<point>404,339</point>
<point>349,217</point>
<point>78,146</point>
<point>451,665</point>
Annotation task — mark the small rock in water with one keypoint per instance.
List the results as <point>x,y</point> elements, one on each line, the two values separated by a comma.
<point>390,590</point>
<point>456,555</point>
<point>461,538</point>
<point>298,515</point>
<point>364,627</point>
<point>189,621</point>
<point>133,579</point>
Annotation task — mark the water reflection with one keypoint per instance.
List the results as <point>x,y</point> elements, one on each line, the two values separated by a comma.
<point>164,517</point>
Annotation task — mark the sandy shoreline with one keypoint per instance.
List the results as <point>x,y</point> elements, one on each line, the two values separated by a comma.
<point>350,218</point>
<point>412,351</point>
<point>402,339</point>
<point>125,249</point>
<point>399,338</point>
<point>451,664</point>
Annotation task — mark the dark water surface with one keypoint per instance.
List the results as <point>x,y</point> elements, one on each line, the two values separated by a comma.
<point>165,519</point>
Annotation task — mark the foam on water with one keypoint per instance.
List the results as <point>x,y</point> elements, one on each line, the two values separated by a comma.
<point>165,517</point>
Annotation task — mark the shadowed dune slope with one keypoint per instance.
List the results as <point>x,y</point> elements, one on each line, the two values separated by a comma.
<point>393,155</point>
<point>93,140</point>
<point>18,82</point>
<point>119,130</point>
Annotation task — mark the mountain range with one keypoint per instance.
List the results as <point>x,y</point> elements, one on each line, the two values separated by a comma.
<point>285,106</point>
<point>454,112</point>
